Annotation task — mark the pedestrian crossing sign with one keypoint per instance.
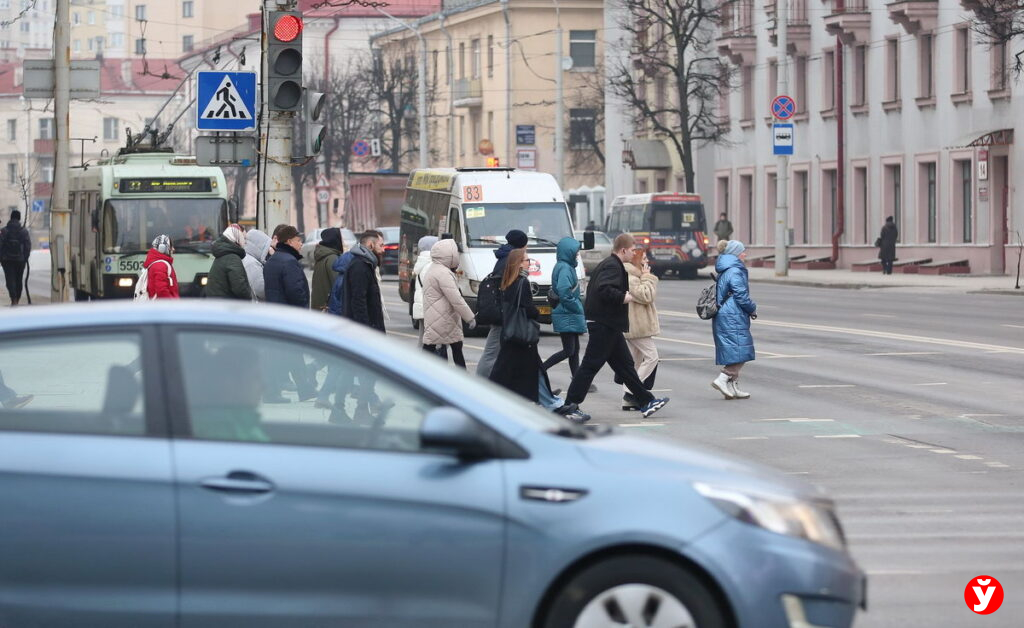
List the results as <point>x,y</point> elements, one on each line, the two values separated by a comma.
<point>226,101</point>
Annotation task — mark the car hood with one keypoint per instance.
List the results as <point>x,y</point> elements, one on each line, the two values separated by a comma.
<point>633,453</point>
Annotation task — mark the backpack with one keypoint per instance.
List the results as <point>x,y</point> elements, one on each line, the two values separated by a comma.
<point>142,283</point>
<point>707,303</point>
<point>10,246</point>
<point>488,301</point>
<point>336,302</point>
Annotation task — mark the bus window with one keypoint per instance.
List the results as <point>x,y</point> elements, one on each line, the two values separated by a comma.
<point>636,219</point>
<point>130,225</point>
<point>455,226</point>
<point>663,219</point>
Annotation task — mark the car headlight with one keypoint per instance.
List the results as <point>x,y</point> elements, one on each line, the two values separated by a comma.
<point>808,520</point>
<point>474,286</point>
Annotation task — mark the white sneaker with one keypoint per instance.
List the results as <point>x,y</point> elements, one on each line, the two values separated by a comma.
<point>723,385</point>
<point>739,394</point>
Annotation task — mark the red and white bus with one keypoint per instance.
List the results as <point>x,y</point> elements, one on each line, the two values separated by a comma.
<point>672,227</point>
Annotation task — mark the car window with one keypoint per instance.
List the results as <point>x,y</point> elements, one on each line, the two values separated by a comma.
<point>84,383</point>
<point>269,390</point>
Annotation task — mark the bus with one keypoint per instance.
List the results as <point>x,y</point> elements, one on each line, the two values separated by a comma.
<point>478,206</point>
<point>672,227</point>
<point>120,205</point>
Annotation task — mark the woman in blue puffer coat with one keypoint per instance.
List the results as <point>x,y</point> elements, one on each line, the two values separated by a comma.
<point>734,346</point>
<point>567,318</point>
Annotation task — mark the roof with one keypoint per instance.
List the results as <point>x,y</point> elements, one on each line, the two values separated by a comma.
<point>112,76</point>
<point>647,155</point>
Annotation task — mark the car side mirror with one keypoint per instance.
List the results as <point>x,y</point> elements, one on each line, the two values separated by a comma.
<point>453,431</point>
<point>588,240</point>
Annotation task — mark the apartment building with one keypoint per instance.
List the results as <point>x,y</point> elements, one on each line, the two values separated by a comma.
<point>929,113</point>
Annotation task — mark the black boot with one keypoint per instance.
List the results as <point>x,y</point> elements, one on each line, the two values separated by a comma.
<point>629,402</point>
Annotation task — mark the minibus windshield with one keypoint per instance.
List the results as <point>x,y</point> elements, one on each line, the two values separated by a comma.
<point>544,223</point>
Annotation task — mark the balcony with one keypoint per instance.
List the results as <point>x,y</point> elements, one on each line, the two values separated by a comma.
<point>798,28</point>
<point>915,15</point>
<point>738,42</point>
<point>850,21</point>
<point>468,93</point>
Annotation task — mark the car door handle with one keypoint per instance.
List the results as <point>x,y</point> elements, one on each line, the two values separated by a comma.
<point>239,482</point>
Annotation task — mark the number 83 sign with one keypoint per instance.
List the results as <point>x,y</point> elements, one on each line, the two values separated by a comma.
<point>472,193</point>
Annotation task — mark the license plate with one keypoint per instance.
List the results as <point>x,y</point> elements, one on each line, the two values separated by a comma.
<point>545,310</point>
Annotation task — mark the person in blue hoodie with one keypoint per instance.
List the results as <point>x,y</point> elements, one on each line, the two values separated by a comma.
<point>734,346</point>
<point>514,239</point>
<point>567,317</point>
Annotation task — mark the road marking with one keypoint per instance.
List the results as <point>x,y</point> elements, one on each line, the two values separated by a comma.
<point>798,472</point>
<point>838,436</point>
<point>997,465</point>
<point>942,451</point>
<point>683,359</point>
<point>968,416</point>
<point>783,357</point>
<point>968,457</point>
<point>404,335</point>
<point>1015,326</point>
<point>908,353</point>
<point>933,384</point>
<point>880,315</point>
<point>711,345</point>
<point>641,425</point>
<point>797,420</point>
<point>749,438</point>
<point>827,386</point>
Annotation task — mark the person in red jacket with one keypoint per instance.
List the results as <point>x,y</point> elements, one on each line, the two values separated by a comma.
<point>163,282</point>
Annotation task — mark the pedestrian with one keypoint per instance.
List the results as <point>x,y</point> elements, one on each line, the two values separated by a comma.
<point>607,315</point>
<point>723,228</point>
<point>590,226</point>
<point>362,298</point>
<point>258,248</point>
<point>15,247</point>
<point>734,345</point>
<point>886,244</point>
<point>514,239</point>
<point>567,317</point>
<point>284,280</point>
<point>643,324</point>
<point>518,367</point>
<point>325,254</point>
<point>227,278</point>
<point>422,263</point>
<point>444,308</point>
<point>161,280</point>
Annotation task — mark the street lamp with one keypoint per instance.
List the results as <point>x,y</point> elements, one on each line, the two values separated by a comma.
<point>421,84</point>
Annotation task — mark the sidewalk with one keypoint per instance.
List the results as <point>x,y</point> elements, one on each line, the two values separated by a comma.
<point>857,280</point>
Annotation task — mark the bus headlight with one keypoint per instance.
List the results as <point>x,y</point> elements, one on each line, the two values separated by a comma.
<point>125,282</point>
<point>474,286</point>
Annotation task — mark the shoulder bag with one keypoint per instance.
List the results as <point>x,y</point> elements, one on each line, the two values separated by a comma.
<point>518,328</point>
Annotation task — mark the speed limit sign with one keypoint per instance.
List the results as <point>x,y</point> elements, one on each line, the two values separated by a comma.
<point>322,196</point>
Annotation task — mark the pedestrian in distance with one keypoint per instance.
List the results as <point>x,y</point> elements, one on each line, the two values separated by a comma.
<point>591,226</point>
<point>723,228</point>
<point>567,317</point>
<point>514,239</point>
<point>518,366</point>
<point>422,263</point>
<point>607,313</point>
<point>643,324</point>
<point>15,247</point>
<point>325,254</point>
<point>228,279</point>
<point>886,244</point>
<point>258,248</point>
<point>362,301</point>
<point>444,308</point>
<point>734,345</point>
<point>283,278</point>
<point>161,280</point>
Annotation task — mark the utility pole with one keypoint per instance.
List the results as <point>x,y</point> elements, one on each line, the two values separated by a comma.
<point>274,192</point>
<point>559,102</point>
<point>782,167</point>
<point>421,86</point>
<point>450,61</point>
<point>60,213</point>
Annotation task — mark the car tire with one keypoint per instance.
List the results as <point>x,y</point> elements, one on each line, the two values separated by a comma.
<point>614,591</point>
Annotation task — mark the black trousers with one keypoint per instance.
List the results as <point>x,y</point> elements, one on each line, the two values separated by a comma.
<point>442,352</point>
<point>570,350</point>
<point>14,275</point>
<point>887,266</point>
<point>606,346</point>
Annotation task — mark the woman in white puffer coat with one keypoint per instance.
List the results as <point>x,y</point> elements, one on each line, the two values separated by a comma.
<point>444,309</point>
<point>422,262</point>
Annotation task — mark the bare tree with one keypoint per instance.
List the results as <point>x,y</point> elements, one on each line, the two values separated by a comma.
<point>999,22</point>
<point>673,55</point>
<point>392,80</point>
<point>586,127</point>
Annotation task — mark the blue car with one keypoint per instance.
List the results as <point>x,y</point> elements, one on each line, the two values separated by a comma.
<point>213,465</point>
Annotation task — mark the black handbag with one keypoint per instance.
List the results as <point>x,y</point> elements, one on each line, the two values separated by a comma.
<point>518,328</point>
<point>553,299</point>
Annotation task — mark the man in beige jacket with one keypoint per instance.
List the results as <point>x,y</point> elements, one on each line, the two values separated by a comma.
<point>643,324</point>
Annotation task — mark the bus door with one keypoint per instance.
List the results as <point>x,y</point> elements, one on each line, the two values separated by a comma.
<point>91,262</point>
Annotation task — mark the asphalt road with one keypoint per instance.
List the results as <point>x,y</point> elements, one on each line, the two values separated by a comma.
<point>906,404</point>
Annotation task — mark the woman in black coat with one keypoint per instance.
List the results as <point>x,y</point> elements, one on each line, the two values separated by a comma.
<point>886,244</point>
<point>518,368</point>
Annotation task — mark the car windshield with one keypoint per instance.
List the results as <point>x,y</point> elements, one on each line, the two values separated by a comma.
<point>544,223</point>
<point>130,226</point>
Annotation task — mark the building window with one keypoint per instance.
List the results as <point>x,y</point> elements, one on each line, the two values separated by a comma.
<point>860,195</point>
<point>964,198</point>
<point>46,169</point>
<point>800,78</point>
<point>582,124</point>
<point>929,197</point>
<point>46,128</point>
<point>925,73</point>
<point>91,17</point>
<point>1000,75</point>
<point>828,81</point>
<point>12,130</point>
<point>462,135</point>
<point>583,48</point>
<point>140,46</point>
<point>187,43</point>
<point>187,9</point>
<point>860,76</point>
<point>773,77</point>
<point>76,19</point>
<point>830,198</point>
<point>117,40</point>
<point>893,200</point>
<point>140,12</point>
<point>435,57</point>
<point>462,60</point>
<point>803,197</point>
<point>747,199</point>
<point>748,93</point>
<point>475,59</point>
<point>962,58</point>
<point>490,55</point>
<point>660,89</point>
<point>771,199</point>
<point>115,11</point>
<point>12,173</point>
<point>110,128</point>
<point>77,46</point>
<point>892,70</point>
<point>490,125</point>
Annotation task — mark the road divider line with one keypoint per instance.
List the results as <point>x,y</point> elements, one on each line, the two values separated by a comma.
<point>827,386</point>
<point>968,457</point>
<point>641,425</point>
<point>710,345</point>
<point>838,436</point>
<point>942,451</point>
<point>907,353</point>
<point>933,384</point>
<point>749,438</point>
<point>796,420</point>
<point>1015,326</point>
<point>415,337</point>
<point>880,315</point>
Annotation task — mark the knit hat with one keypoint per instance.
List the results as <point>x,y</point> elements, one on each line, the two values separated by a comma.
<point>734,247</point>
<point>162,244</point>
<point>331,238</point>
<point>235,233</point>
<point>426,243</point>
<point>517,239</point>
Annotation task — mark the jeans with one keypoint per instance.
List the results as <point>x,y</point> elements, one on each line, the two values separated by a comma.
<point>14,275</point>
<point>606,346</point>
<point>545,397</point>
<point>570,350</point>
<point>491,349</point>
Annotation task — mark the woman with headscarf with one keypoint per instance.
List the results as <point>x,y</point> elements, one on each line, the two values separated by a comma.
<point>444,308</point>
<point>228,279</point>
<point>422,263</point>
<point>162,281</point>
<point>734,346</point>
<point>324,256</point>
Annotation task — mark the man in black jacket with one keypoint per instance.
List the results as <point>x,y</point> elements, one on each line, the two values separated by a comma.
<point>362,290</point>
<point>15,246</point>
<point>285,281</point>
<point>607,311</point>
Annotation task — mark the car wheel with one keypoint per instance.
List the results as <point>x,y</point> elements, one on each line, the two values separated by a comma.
<point>635,591</point>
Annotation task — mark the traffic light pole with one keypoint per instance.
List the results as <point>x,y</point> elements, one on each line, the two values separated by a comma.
<point>60,213</point>
<point>275,190</point>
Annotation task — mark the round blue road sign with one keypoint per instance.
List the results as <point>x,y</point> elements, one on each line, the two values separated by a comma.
<point>361,148</point>
<point>783,107</point>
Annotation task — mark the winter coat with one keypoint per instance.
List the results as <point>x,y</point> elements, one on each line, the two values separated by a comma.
<point>257,245</point>
<point>284,278</point>
<point>519,368</point>
<point>723,229</point>
<point>567,317</point>
<point>161,280</point>
<point>323,275</point>
<point>887,242</point>
<point>731,326</point>
<point>18,235</point>
<point>444,309</point>
<point>228,279</point>
<point>605,295</point>
<point>362,290</point>
<point>643,315</point>
<point>422,264</point>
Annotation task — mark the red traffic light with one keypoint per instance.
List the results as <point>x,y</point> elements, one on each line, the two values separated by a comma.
<point>288,28</point>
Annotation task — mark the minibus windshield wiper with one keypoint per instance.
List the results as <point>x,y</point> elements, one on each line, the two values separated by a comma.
<point>543,241</point>
<point>485,240</point>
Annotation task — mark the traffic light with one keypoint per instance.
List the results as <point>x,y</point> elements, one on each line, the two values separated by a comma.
<point>493,162</point>
<point>313,108</point>
<point>284,60</point>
